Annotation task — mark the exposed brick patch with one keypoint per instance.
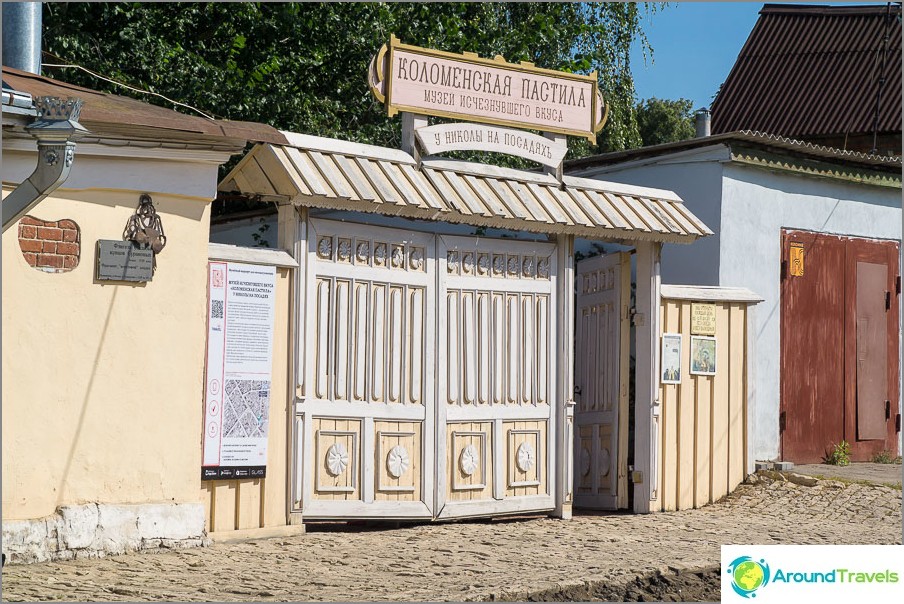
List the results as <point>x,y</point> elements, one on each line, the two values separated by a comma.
<point>50,246</point>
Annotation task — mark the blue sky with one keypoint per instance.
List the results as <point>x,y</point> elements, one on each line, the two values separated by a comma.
<point>694,45</point>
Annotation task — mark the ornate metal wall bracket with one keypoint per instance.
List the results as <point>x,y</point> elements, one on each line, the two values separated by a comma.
<point>145,228</point>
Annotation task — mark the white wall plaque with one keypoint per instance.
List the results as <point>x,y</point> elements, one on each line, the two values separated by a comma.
<point>443,138</point>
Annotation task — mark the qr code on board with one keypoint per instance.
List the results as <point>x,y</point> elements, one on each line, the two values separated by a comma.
<point>216,309</point>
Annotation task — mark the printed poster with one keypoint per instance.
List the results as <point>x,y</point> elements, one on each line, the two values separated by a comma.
<point>703,355</point>
<point>670,360</point>
<point>240,313</point>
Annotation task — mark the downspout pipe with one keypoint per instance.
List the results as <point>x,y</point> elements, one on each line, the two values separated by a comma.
<point>56,129</point>
<point>22,36</point>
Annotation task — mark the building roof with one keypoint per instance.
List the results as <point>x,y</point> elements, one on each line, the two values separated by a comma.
<point>815,70</point>
<point>333,174</point>
<point>765,150</point>
<point>112,116</point>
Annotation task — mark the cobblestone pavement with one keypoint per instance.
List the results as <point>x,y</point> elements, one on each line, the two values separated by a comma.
<point>475,560</point>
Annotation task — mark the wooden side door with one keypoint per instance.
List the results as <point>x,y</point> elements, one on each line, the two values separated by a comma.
<point>601,382</point>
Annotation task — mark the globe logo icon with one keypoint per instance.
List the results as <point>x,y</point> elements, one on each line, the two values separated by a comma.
<point>748,575</point>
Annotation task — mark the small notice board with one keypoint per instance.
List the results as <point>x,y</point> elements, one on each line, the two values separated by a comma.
<point>240,311</point>
<point>703,319</point>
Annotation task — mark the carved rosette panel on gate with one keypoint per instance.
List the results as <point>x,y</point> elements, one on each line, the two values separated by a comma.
<point>337,451</point>
<point>397,461</point>
<point>469,461</point>
<point>525,458</point>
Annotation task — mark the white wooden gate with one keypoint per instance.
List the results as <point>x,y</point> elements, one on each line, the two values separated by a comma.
<point>428,375</point>
<point>496,444</point>
<point>368,363</point>
<point>601,382</point>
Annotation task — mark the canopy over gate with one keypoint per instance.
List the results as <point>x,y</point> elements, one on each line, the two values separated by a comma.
<point>329,173</point>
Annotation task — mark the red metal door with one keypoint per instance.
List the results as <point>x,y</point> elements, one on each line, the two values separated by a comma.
<point>812,345</point>
<point>871,347</point>
<point>839,346</point>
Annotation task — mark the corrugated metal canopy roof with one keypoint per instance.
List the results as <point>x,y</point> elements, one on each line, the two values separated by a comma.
<point>815,70</point>
<point>328,173</point>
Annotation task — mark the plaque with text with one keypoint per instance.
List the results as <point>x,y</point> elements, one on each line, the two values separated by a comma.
<point>703,319</point>
<point>123,261</point>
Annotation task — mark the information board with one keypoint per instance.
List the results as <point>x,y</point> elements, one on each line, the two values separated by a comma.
<point>240,311</point>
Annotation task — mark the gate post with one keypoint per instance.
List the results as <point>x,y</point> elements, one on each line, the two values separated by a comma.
<point>564,412</point>
<point>646,399</point>
<point>290,238</point>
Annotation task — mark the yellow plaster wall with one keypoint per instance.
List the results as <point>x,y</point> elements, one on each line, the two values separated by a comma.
<point>102,383</point>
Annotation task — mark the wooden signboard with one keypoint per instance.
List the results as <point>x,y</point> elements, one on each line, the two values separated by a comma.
<point>492,91</point>
<point>703,319</point>
<point>443,138</point>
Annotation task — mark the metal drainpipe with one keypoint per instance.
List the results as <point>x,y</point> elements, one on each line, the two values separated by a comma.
<point>22,36</point>
<point>56,129</point>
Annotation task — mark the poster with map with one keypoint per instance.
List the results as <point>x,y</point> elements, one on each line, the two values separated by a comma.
<point>240,312</point>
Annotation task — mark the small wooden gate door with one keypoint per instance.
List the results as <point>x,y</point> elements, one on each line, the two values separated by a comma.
<point>496,376</point>
<point>601,382</point>
<point>368,366</point>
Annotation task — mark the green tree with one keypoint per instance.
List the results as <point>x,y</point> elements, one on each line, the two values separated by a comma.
<point>664,121</point>
<point>302,66</point>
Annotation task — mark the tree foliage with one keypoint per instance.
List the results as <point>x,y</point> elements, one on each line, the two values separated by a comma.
<point>664,121</point>
<point>302,66</point>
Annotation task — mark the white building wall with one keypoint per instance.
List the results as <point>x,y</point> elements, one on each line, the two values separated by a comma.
<point>756,205</point>
<point>696,177</point>
<point>746,207</point>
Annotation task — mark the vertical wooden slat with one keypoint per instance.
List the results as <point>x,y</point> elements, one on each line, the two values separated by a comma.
<point>669,398</point>
<point>248,504</point>
<point>224,506</point>
<point>378,343</point>
<point>719,425</point>
<point>685,410</point>
<point>207,497</point>
<point>341,355</point>
<point>468,349</point>
<point>736,395</point>
<point>453,357</point>
<point>702,439</point>
<point>416,355</point>
<point>483,337</point>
